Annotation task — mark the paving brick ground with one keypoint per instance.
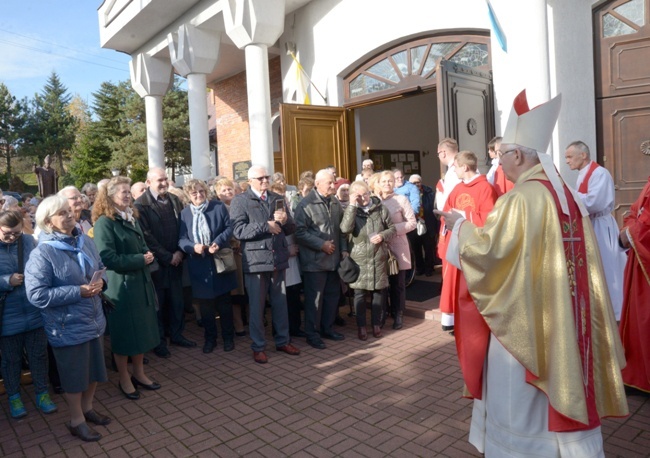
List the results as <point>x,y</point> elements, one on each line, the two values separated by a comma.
<point>395,396</point>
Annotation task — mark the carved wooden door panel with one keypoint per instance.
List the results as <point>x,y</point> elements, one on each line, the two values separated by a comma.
<point>465,107</point>
<point>314,137</point>
<point>622,53</point>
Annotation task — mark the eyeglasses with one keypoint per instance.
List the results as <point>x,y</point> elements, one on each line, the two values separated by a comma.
<point>260,179</point>
<point>500,154</point>
<point>10,234</point>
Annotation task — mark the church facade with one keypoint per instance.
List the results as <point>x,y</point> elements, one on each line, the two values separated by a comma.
<point>319,82</point>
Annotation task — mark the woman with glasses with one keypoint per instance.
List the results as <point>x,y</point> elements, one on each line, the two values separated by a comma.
<point>59,281</point>
<point>369,224</point>
<point>205,229</point>
<point>21,324</point>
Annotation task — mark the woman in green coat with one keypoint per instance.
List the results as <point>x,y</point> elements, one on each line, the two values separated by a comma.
<point>133,324</point>
<point>369,225</point>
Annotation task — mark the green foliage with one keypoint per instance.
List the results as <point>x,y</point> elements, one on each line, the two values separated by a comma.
<point>12,123</point>
<point>91,141</point>
<point>50,127</point>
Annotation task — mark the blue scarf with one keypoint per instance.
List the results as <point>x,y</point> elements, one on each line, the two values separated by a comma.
<point>200,228</point>
<point>81,255</point>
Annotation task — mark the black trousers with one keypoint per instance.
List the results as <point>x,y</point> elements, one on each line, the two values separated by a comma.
<point>376,306</point>
<point>209,308</point>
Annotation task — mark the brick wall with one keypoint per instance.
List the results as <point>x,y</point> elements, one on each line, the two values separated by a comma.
<point>231,115</point>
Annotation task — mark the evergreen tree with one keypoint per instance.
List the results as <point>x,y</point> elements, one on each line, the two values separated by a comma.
<point>12,122</point>
<point>51,128</point>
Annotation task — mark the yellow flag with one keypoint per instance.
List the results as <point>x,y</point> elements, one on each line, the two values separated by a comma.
<point>302,94</point>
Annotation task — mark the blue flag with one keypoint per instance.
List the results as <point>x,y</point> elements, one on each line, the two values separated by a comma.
<point>496,28</point>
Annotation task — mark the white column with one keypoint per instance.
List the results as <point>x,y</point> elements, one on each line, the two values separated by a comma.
<point>194,53</point>
<point>254,25</point>
<point>198,111</point>
<point>259,105</point>
<point>155,140</point>
<point>151,78</point>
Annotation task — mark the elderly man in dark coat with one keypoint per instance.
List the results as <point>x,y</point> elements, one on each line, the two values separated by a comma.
<point>159,217</point>
<point>318,232</point>
<point>261,221</point>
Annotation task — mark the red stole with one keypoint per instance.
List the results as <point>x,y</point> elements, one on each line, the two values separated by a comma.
<point>584,186</point>
<point>576,255</point>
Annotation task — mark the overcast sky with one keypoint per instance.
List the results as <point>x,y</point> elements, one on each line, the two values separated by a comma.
<point>41,36</point>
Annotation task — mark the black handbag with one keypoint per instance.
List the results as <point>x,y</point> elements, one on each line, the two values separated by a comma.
<point>107,305</point>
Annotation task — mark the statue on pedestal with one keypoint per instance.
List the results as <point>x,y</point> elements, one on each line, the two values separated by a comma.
<point>47,178</point>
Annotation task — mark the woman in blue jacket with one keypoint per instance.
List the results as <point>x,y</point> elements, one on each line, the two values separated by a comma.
<point>21,324</point>
<point>58,281</point>
<point>205,229</point>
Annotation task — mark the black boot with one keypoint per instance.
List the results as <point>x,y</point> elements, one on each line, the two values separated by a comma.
<point>398,323</point>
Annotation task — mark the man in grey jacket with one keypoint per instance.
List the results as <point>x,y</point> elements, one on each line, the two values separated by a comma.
<point>318,220</point>
<point>260,221</point>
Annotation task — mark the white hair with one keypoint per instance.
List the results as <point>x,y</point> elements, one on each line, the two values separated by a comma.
<point>49,207</point>
<point>64,192</point>
<point>415,177</point>
<point>254,168</point>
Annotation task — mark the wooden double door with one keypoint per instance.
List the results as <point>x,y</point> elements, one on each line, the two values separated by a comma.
<point>622,54</point>
<point>314,137</point>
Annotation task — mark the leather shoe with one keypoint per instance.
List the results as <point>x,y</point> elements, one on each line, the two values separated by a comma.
<point>260,357</point>
<point>298,333</point>
<point>97,419</point>
<point>363,334</point>
<point>332,335</point>
<point>288,349</point>
<point>228,346</point>
<point>240,333</point>
<point>183,342</point>
<point>83,432</point>
<point>447,328</point>
<point>161,351</point>
<point>134,396</point>
<point>208,346</point>
<point>376,332</point>
<point>151,387</point>
<point>318,344</point>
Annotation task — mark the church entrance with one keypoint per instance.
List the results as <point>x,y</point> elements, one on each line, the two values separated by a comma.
<point>397,106</point>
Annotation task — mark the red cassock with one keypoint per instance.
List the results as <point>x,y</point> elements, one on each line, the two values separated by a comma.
<point>501,183</point>
<point>476,200</point>
<point>635,317</point>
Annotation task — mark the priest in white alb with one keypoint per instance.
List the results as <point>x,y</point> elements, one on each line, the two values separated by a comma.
<point>545,358</point>
<point>596,190</point>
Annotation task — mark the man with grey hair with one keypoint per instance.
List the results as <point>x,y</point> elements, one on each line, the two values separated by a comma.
<point>261,221</point>
<point>596,190</point>
<point>322,244</point>
<point>159,217</point>
<point>366,165</point>
<point>542,323</point>
<point>137,189</point>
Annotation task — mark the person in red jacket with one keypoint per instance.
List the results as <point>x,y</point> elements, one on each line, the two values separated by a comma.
<point>474,198</point>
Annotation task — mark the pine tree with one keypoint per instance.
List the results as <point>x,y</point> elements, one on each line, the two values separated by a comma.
<point>51,128</point>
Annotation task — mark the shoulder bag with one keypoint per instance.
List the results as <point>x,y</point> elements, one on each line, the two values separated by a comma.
<point>224,261</point>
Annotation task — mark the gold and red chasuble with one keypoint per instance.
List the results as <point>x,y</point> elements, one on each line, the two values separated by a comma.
<point>517,274</point>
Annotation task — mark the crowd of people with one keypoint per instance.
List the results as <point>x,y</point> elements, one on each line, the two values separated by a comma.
<point>131,260</point>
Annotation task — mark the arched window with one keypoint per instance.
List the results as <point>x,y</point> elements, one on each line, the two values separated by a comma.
<point>412,65</point>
